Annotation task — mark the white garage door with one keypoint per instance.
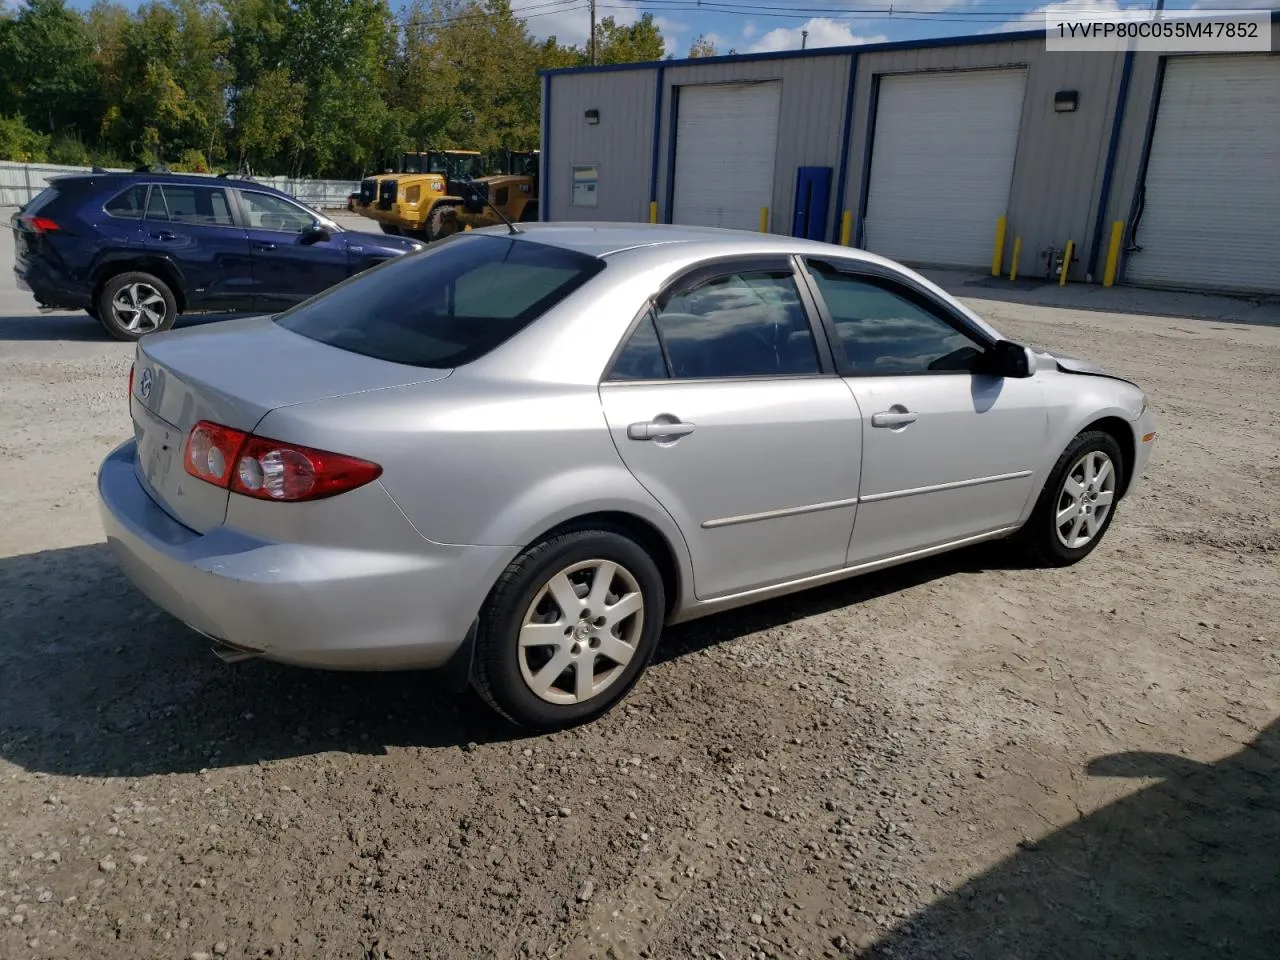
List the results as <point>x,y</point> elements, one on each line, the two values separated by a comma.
<point>1211,217</point>
<point>942,164</point>
<point>726,142</point>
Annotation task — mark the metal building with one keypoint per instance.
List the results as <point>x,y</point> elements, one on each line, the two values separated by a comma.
<point>930,152</point>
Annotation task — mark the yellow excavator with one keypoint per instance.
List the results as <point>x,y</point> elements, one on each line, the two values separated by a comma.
<point>412,200</point>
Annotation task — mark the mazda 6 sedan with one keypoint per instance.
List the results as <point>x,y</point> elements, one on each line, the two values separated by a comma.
<point>518,454</point>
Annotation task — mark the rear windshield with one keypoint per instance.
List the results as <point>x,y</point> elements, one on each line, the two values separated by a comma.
<point>40,200</point>
<point>446,306</point>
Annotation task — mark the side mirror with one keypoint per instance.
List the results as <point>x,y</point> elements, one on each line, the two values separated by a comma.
<point>314,233</point>
<point>1009,359</point>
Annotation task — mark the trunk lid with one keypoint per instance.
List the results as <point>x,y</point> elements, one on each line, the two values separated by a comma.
<point>233,374</point>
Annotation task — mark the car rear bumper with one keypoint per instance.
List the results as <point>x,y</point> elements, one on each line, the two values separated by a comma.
<point>305,604</point>
<point>49,287</point>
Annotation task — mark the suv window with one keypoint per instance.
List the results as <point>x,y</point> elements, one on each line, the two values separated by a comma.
<point>749,324</point>
<point>181,203</point>
<point>447,306</point>
<point>267,212</point>
<point>882,329</point>
<point>128,204</point>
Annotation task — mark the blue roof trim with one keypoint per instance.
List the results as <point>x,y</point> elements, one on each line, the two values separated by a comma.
<point>965,41</point>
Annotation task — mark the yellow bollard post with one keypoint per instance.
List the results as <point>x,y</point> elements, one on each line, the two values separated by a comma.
<point>1113,254</point>
<point>764,219</point>
<point>1017,254</point>
<point>846,228</point>
<point>1066,262</point>
<point>653,211</point>
<point>997,254</point>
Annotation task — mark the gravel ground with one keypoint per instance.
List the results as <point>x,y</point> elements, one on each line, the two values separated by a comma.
<point>957,758</point>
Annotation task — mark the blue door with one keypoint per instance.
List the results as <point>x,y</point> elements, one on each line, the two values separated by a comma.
<point>288,264</point>
<point>813,197</point>
<point>192,228</point>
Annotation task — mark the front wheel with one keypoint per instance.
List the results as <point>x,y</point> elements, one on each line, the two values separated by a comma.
<point>568,629</point>
<point>131,305</point>
<point>1077,503</point>
<point>443,222</point>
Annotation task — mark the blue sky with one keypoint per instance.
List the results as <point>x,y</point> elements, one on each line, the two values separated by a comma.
<point>759,25</point>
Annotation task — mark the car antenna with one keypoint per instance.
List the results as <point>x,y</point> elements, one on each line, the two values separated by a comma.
<point>484,195</point>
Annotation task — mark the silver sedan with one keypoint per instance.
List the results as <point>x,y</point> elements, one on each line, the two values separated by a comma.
<point>518,454</point>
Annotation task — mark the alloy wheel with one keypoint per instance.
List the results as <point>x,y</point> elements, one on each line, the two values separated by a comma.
<point>580,631</point>
<point>138,307</point>
<point>1086,498</point>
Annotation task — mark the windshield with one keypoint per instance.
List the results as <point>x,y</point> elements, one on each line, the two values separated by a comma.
<point>457,166</point>
<point>447,306</point>
<point>413,163</point>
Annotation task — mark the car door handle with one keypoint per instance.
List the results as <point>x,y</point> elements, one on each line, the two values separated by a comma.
<point>264,246</point>
<point>162,235</point>
<point>897,417</point>
<point>659,430</point>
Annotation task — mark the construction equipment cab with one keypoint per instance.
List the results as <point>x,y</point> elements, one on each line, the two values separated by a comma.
<point>411,201</point>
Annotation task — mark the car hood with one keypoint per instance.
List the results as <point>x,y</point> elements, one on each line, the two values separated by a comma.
<point>383,242</point>
<point>1069,364</point>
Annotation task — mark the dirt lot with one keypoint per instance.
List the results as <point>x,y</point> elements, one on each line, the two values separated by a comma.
<point>958,758</point>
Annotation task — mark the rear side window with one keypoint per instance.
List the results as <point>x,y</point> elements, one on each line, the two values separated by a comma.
<point>447,306</point>
<point>183,204</point>
<point>128,205</point>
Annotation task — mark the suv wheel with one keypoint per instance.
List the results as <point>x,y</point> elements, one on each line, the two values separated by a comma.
<point>443,222</point>
<point>134,304</point>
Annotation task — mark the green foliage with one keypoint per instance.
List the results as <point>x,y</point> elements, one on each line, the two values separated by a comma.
<point>304,87</point>
<point>20,142</point>
<point>702,47</point>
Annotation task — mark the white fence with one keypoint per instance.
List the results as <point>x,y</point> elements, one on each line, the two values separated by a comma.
<point>19,182</point>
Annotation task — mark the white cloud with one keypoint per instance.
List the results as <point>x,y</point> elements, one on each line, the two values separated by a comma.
<point>748,29</point>
<point>823,32</point>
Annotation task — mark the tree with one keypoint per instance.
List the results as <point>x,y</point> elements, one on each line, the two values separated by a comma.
<point>47,72</point>
<point>702,47</point>
<point>628,43</point>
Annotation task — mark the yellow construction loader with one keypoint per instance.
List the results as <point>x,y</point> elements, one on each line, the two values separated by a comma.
<point>412,200</point>
<point>514,193</point>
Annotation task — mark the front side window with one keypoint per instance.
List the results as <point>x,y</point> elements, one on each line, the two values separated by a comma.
<point>267,212</point>
<point>749,324</point>
<point>447,306</point>
<point>128,204</point>
<point>179,203</point>
<point>883,330</point>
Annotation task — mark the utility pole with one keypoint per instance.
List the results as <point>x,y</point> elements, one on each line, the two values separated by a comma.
<point>593,33</point>
<point>804,36</point>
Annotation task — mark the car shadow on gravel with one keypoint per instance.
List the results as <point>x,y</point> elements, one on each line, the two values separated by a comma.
<point>1183,869</point>
<point>95,680</point>
<point>79,327</point>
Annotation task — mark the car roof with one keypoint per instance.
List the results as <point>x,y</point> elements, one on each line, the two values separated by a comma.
<point>610,239</point>
<point>126,177</point>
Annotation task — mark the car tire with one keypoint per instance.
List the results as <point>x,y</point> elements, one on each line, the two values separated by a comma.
<point>92,311</point>
<point>130,305</point>
<point>1078,502</point>
<point>443,222</point>
<point>537,685</point>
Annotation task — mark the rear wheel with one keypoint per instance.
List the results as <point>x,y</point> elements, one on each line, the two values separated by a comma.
<point>530,212</point>
<point>390,229</point>
<point>133,304</point>
<point>568,629</point>
<point>1077,503</point>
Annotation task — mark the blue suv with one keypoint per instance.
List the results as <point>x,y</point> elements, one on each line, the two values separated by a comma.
<point>137,249</point>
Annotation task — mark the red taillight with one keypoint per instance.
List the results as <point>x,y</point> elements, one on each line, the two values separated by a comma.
<point>269,469</point>
<point>211,452</point>
<point>39,224</point>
